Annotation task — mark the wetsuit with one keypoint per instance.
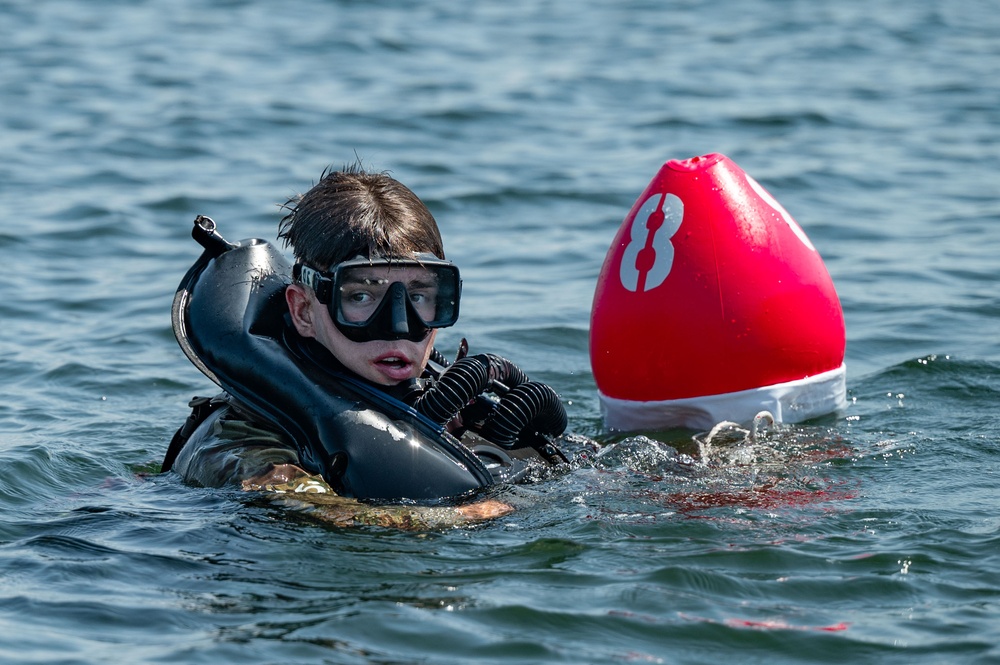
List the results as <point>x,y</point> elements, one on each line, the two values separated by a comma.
<point>229,447</point>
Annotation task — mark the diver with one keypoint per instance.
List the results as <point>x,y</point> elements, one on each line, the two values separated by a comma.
<point>356,318</point>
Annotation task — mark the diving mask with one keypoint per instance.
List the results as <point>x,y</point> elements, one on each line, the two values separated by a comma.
<point>387,299</point>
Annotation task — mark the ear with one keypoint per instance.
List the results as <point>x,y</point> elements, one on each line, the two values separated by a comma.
<point>300,306</point>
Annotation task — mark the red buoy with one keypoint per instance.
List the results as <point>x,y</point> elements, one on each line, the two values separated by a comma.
<point>713,305</point>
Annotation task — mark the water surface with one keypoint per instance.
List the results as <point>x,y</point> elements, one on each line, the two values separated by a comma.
<point>529,128</point>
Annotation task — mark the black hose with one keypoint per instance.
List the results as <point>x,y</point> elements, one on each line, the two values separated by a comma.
<point>438,357</point>
<point>465,380</point>
<point>505,374</point>
<point>531,407</point>
<point>457,386</point>
<point>525,406</point>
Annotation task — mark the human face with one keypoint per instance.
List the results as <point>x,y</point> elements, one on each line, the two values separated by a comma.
<point>377,298</point>
<point>384,362</point>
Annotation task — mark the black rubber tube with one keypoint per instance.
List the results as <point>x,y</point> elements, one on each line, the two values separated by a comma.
<point>457,386</point>
<point>465,380</point>
<point>524,404</point>
<point>530,406</point>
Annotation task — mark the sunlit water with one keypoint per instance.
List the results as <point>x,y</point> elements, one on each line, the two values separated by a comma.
<point>530,128</point>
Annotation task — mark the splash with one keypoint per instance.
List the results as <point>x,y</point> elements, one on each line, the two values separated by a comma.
<point>764,467</point>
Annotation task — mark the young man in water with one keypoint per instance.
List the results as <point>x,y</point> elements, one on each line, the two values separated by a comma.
<point>347,215</point>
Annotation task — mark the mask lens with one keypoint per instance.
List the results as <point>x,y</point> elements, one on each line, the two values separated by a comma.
<point>362,291</point>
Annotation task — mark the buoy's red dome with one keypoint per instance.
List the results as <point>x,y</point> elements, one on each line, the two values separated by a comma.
<point>710,287</point>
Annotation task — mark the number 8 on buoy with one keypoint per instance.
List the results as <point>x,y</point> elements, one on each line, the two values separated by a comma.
<point>649,255</point>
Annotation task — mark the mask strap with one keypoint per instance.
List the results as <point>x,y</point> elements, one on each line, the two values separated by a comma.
<point>314,279</point>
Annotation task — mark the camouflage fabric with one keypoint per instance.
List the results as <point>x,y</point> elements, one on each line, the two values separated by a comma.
<point>229,448</point>
<point>312,496</point>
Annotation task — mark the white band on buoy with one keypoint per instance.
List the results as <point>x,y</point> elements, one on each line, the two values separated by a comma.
<point>790,402</point>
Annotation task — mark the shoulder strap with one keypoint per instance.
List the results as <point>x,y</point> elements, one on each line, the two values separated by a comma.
<point>201,409</point>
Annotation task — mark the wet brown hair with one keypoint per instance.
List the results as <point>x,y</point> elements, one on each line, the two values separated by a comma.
<point>354,212</point>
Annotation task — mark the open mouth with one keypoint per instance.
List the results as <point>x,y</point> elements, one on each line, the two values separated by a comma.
<point>394,366</point>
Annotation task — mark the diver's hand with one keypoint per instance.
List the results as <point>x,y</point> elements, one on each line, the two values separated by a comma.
<point>485,510</point>
<point>279,474</point>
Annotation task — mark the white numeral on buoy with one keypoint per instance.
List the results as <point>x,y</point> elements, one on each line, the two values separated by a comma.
<point>649,254</point>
